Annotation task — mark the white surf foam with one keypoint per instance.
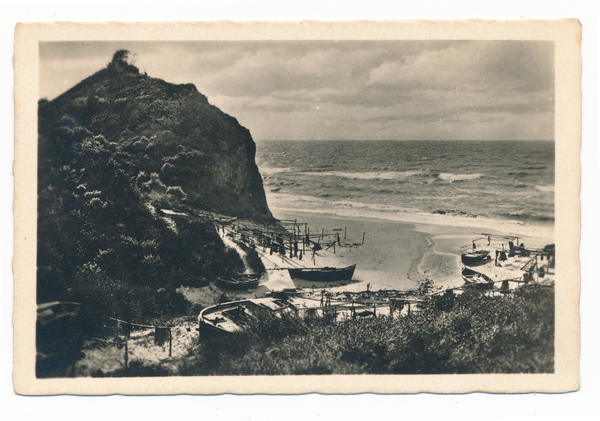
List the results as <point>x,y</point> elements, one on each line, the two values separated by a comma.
<point>448,176</point>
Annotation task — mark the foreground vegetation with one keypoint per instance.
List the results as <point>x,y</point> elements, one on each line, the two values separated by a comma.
<point>467,333</point>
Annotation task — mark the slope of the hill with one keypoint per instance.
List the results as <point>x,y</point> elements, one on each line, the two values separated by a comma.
<point>113,151</point>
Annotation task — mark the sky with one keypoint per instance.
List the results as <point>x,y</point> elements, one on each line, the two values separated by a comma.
<point>345,90</point>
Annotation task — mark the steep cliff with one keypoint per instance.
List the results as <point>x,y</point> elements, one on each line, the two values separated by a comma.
<point>170,130</point>
<point>112,152</point>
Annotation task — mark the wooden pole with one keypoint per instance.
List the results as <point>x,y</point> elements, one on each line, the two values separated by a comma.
<point>363,238</point>
<point>126,356</point>
<point>170,342</point>
<point>345,233</point>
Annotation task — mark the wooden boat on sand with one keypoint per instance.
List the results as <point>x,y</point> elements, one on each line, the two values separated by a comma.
<point>473,278</point>
<point>230,317</point>
<point>245,281</point>
<point>475,257</point>
<point>324,274</point>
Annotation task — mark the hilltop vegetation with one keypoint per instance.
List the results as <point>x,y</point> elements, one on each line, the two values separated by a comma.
<point>113,151</point>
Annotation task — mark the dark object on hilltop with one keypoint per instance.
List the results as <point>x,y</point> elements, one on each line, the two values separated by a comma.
<point>326,274</point>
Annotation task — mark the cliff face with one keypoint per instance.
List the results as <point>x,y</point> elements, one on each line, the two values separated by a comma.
<point>112,152</point>
<point>173,132</point>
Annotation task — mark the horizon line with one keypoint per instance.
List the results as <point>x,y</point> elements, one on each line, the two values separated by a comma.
<point>404,140</point>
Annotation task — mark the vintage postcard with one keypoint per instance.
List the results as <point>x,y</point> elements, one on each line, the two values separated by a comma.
<point>285,208</point>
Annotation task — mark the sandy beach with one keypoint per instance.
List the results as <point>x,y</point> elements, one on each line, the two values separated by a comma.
<point>395,255</point>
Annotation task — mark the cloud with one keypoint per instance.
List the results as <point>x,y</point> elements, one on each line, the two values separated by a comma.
<point>470,65</point>
<point>350,89</point>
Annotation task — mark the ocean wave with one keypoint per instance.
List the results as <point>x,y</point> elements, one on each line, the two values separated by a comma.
<point>368,175</point>
<point>266,171</point>
<point>454,212</point>
<point>548,188</point>
<point>523,215</point>
<point>447,176</point>
<point>518,174</point>
<point>322,203</point>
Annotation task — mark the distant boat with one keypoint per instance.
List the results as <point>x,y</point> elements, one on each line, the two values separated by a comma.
<point>230,317</point>
<point>475,257</point>
<point>474,278</point>
<point>325,274</point>
<point>245,281</point>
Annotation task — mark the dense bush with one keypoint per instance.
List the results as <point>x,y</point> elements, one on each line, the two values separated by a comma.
<point>467,333</point>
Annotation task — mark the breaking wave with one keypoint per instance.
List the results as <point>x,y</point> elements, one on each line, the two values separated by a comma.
<point>447,176</point>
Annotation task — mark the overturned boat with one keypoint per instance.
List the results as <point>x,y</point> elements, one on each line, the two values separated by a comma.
<point>230,317</point>
<point>325,274</point>
<point>474,257</point>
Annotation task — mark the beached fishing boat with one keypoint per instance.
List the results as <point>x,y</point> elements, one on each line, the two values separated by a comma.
<point>230,317</point>
<point>245,281</point>
<point>475,257</point>
<point>473,278</point>
<point>325,274</point>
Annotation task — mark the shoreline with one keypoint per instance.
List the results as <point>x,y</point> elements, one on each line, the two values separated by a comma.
<point>398,254</point>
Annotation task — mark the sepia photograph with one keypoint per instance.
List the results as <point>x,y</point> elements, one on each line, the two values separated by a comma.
<point>298,207</point>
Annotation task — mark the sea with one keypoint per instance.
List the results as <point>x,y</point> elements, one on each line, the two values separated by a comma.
<point>494,181</point>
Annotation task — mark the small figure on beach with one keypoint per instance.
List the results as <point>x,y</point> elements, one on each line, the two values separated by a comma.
<point>489,239</point>
<point>474,246</point>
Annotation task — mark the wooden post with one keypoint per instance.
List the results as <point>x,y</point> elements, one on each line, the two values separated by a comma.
<point>409,308</point>
<point>170,342</point>
<point>363,238</point>
<point>126,356</point>
<point>345,233</point>
<point>334,247</point>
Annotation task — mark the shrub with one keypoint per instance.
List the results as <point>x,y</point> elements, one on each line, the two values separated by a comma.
<point>468,333</point>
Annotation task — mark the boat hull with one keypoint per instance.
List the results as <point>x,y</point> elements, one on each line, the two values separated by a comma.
<point>473,258</point>
<point>238,282</point>
<point>229,317</point>
<point>326,274</point>
<point>476,279</point>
